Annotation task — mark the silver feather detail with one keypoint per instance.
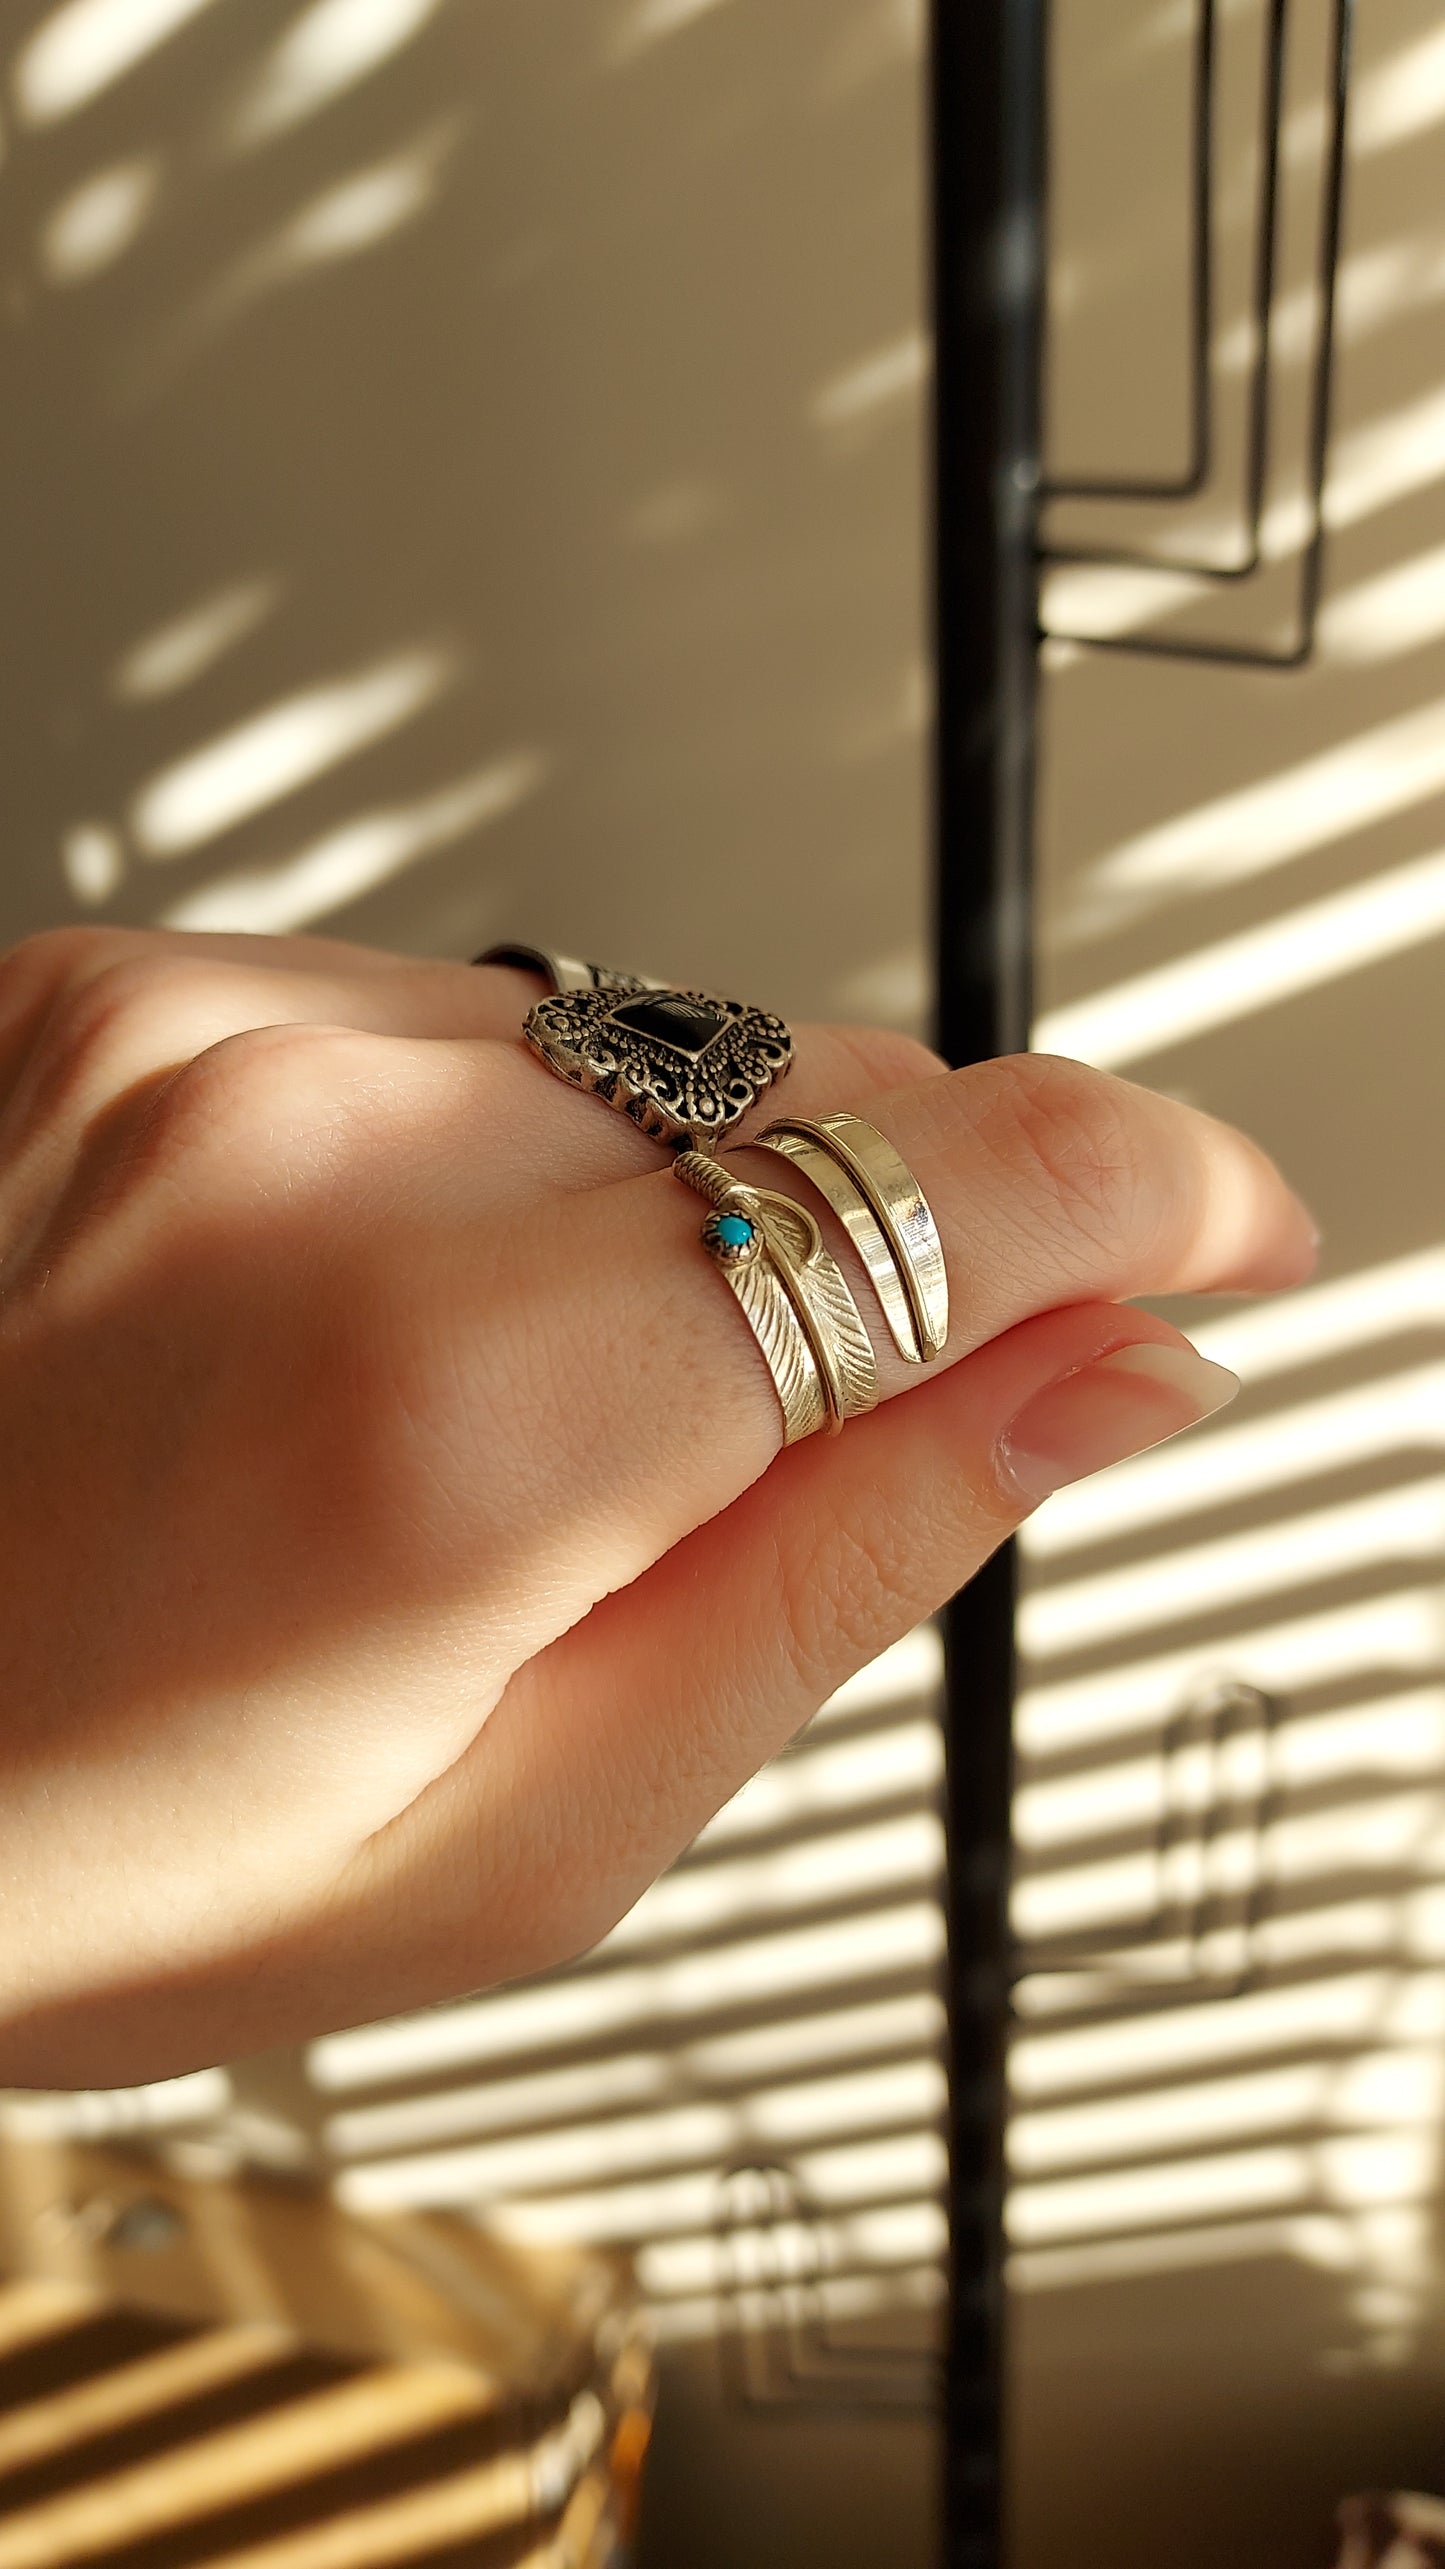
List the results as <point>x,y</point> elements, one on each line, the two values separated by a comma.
<point>819,1290</point>
<point>786,1351</point>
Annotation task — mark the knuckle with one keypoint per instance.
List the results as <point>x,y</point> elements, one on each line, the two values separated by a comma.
<point>180,1145</point>
<point>282,1111</point>
<point>106,1020</point>
<point>51,954</point>
<point>251,1082</point>
<point>123,990</point>
<point>1068,1126</point>
<point>38,969</point>
<point>886,1056</point>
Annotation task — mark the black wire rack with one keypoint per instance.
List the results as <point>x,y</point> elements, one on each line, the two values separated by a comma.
<point>1259,439</point>
<point>1193,479</point>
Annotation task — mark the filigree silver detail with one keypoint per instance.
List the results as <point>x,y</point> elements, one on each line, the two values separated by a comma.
<point>685,1066</point>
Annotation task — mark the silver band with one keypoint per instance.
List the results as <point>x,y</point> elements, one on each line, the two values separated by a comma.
<point>564,971</point>
<point>685,1065</point>
<point>886,1214</point>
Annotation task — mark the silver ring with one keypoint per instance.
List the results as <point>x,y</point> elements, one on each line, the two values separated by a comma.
<point>564,971</point>
<point>684,1065</point>
<point>886,1215</point>
<point>793,1295</point>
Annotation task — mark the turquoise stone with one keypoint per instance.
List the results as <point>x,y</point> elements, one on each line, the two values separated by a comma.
<point>733,1231</point>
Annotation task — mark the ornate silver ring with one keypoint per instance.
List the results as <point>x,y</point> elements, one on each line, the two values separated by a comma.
<point>683,1064</point>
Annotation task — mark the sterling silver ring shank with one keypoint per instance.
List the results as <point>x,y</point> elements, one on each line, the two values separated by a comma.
<point>565,971</point>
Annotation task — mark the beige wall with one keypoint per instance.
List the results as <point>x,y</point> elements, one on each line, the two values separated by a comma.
<point>549,392</point>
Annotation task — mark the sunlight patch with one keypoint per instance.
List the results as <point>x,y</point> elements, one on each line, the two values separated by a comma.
<point>86,47</point>
<point>275,900</point>
<point>95,225</point>
<point>187,645</point>
<point>328,50</point>
<point>244,770</point>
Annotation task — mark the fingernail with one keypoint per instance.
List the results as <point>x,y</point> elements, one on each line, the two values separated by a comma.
<point>1117,1406</point>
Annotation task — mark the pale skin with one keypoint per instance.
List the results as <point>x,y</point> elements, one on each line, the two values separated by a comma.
<point>399,1562</point>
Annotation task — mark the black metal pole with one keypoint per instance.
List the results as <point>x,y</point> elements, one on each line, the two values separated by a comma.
<point>987,197</point>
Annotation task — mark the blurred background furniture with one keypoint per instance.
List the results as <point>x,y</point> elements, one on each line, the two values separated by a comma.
<point>226,2367</point>
<point>1401,2532</point>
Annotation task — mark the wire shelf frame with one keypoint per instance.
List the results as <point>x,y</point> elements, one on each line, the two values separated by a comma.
<point>778,2349</point>
<point>1259,436</point>
<point>1208,1928</point>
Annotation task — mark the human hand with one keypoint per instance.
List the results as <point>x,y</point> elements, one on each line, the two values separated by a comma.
<point>400,1563</point>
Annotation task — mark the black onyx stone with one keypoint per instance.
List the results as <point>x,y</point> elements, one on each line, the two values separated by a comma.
<point>688,1025</point>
